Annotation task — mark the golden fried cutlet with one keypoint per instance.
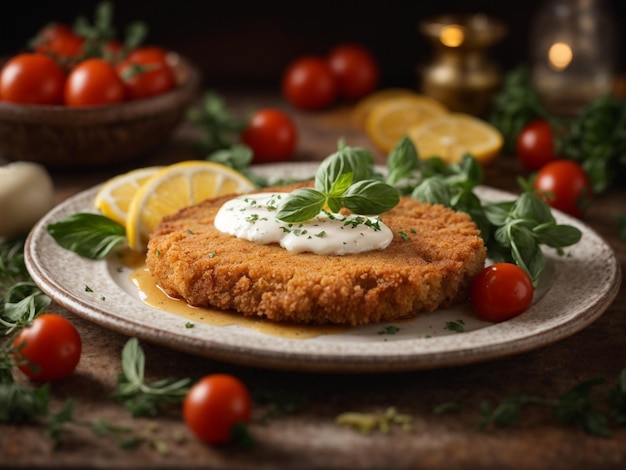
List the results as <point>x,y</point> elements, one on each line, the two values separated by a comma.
<point>433,256</point>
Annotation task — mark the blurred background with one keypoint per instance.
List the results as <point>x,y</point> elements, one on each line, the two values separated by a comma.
<point>249,43</point>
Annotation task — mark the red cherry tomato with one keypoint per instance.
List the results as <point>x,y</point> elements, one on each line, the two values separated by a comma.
<point>271,135</point>
<point>32,79</point>
<point>213,407</point>
<point>152,53</point>
<point>58,40</point>
<point>309,83</point>
<point>356,69</point>
<point>51,348</point>
<point>535,145</point>
<point>501,291</point>
<point>146,74</point>
<point>565,186</point>
<point>94,82</point>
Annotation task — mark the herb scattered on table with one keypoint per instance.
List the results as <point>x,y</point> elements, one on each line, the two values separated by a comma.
<point>20,298</point>
<point>139,397</point>
<point>579,407</point>
<point>366,423</point>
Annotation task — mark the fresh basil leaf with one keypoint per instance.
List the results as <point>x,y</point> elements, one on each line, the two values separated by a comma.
<point>433,191</point>
<point>340,185</point>
<point>369,197</point>
<point>90,235</point>
<point>301,205</point>
<point>558,236</point>
<point>402,161</point>
<point>529,206</point>
<point>498,212</point>
<point>359,162</point>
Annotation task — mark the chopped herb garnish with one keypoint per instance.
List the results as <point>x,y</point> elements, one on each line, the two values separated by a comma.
<point>457,326</point>
<point>389,330</point>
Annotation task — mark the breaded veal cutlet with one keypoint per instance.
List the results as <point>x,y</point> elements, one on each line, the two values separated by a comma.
<point>434,254</point>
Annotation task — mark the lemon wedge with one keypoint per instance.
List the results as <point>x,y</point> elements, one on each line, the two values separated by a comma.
<point>113,198</point>
<point>452,135</point>
<point>175,187</point>
<point>363,107</point>
<point>389,120</point>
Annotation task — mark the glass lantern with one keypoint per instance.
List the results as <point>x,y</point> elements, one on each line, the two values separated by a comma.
<point>573,53</point>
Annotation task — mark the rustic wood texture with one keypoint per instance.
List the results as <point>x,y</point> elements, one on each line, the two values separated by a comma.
<point>310,438</point>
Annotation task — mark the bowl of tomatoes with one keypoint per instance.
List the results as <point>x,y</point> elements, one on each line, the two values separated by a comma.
<point>73,101</point>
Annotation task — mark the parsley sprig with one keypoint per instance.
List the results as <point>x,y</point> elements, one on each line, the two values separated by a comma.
<point>343,180</point>
<point>20,298</point>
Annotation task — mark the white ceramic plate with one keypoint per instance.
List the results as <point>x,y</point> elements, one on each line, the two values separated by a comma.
<point>574,291</point>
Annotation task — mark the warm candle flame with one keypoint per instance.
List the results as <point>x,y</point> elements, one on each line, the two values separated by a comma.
<point>452,35</point>
<point>560,55</point>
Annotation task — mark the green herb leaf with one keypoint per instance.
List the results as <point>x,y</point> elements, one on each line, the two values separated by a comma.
<point>140,398</point>
<point>90,235</point>
<point>370,197</point>
<point>302,204</point>
<point>346,160</point>
<point>344,179</point>
<point>402,161</point>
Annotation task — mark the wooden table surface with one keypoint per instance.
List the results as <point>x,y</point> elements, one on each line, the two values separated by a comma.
<point>309,437</point>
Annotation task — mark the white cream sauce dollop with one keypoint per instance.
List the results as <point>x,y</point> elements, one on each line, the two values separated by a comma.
<point>253,218</point>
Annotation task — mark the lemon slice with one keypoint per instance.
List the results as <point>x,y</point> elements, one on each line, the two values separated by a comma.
<point>363,107</point>
<point>455,134</point>
<point>113,198</point>
<point>389,120</point>
<point>175,187</point>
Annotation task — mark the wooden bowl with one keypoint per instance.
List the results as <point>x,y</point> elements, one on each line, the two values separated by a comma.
<point>61,137</point>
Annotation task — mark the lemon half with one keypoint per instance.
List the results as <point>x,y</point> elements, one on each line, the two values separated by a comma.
<point>389,120</point>
<point>175,187</point>
<point>453,135</point>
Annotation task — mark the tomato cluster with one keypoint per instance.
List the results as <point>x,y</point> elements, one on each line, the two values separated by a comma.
<point>349,71</point>
<point>64,68</point>
<point>563,183</point>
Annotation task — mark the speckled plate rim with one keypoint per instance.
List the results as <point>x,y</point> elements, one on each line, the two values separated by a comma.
<point>578,288</point>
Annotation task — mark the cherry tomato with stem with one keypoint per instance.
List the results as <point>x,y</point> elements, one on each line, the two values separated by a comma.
<point>271,135</point>
<point>564,185</point>
<point>58,40</point>
<point>215,406</point>
<point>146,74</point>
<point>535,145</point>
<point>309,83</point>
<point>94,82</point>
<point>49,349</point>
<point>501,291</point>
<point>32,79</point>
<point>356,69</point>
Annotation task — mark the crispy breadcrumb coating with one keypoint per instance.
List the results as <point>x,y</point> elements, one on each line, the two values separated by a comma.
<point>434,254</point>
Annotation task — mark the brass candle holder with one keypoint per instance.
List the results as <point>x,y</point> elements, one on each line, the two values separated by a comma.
<point>461,74</point>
